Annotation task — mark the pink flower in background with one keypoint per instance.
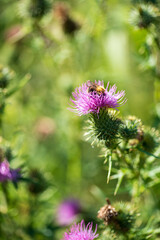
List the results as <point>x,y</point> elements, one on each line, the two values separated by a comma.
<point>81,232</point>
<point>44,127</point>
<point>67,211</point>
<point>15,33</point>
<point>91,97</point>
<point>6,173</point>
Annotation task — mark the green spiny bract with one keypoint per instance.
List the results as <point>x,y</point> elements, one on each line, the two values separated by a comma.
<point>131,128</point>
<point>125,219</point>
<point>144,15</point>
<point>104,127</point>
<point>150,140</point>
<point>123,223</point>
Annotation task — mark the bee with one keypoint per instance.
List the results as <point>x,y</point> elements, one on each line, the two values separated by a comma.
<point>93,87</point>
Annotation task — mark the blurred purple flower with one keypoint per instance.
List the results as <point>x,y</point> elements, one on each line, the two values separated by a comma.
<point>15,174</point>
<point>6,173</point>
<point>67,211</point>
<point>80,232</point>
<point>91,97</point>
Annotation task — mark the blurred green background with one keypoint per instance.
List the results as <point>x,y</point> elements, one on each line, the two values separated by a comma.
<point>99,44</point>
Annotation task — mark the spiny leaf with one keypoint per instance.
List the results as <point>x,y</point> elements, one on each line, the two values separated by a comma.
<point>120,178</point>
<point>149,154</point>
<point>109,167</point>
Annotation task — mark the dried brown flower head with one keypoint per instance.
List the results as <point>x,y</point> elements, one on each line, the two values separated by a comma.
<point>107,213</point>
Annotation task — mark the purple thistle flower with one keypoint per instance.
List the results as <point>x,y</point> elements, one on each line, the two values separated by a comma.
<point>81,232</point>
<point>91,101</point>
<point>15,174</point>
<point>6,173</point>
<point>67,211</point>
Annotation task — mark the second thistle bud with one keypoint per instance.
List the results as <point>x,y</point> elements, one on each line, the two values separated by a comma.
<point>150,140</point>
<point>131,128</point>
<point>144,16</point>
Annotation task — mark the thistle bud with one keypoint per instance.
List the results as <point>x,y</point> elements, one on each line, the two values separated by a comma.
<point>105,127</point>
<point>131,128</point>
<point>150,140</point>
<point>38,183</point>
<point>144,16</point>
